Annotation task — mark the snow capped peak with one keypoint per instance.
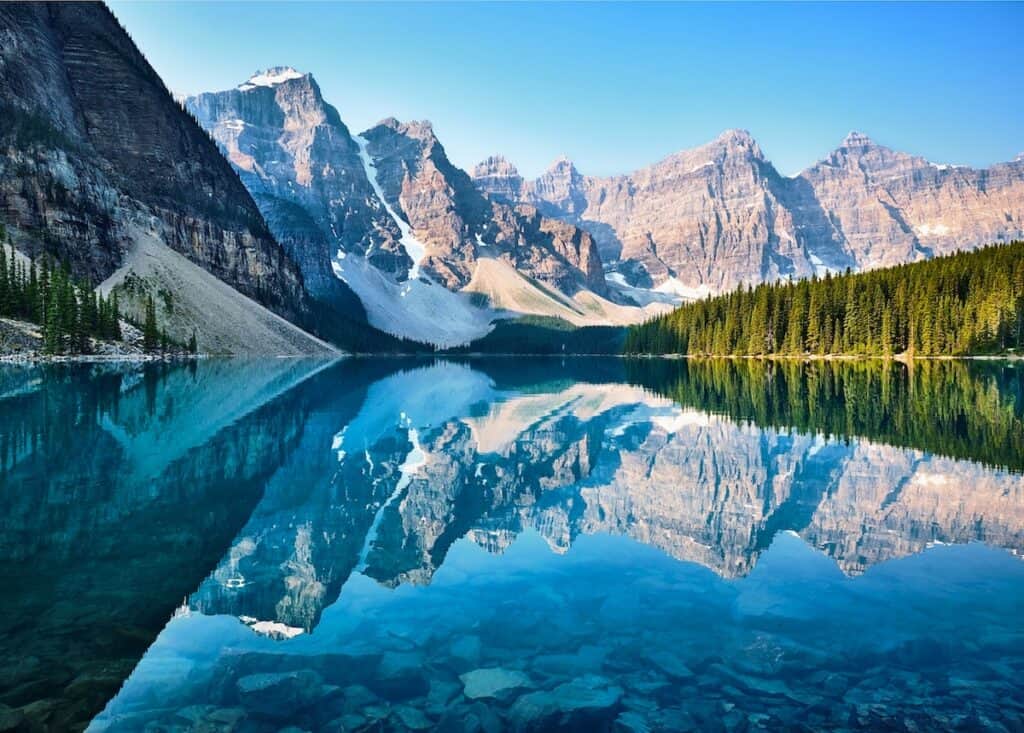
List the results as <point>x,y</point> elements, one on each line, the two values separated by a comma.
<point>271,77</point>
<point>495,164</point>
<point>735,135</point>
<point>856,140</point>
<point>562,164</point>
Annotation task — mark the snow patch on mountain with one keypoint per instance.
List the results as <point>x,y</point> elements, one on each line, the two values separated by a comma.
<point>682,419</point>
<point>418,309</point>
<point>641,296</point>
<point>272,629</point>
<point>413,247</point>
<point>270,78</point>
<point>928,230</point>
<point>424,398</point>
<point>414,461</point>
<point>675,287</point>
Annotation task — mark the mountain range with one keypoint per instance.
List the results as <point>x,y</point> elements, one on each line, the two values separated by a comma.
<point>388,214</point>
<point>278,230</point>
<point>706,220</point>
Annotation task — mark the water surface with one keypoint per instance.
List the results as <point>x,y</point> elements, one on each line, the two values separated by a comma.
<point>512,544</point>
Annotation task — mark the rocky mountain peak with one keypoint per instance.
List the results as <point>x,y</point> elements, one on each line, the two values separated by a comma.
<point>131,181</point>
<point>562,165</point>
<point>736,136</point>
<point>495,165</point>
<point>499,178</point>
<point>857,140</point>
<point>736,141</point>
<point>418,129</point>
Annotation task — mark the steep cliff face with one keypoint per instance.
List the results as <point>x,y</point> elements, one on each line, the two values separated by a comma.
<point>699,221</point>
<point>302,166</point>
<point>387,215</point>
<point>708,219</point>
<point>891,207</point>
<point>96,150</point>
<point>458,225</point>
<point>499,178</point>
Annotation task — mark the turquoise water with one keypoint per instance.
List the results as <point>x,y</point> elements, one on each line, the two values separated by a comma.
<point>512,545</point>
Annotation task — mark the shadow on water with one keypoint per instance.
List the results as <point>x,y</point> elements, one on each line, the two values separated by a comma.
<point>121,487</point>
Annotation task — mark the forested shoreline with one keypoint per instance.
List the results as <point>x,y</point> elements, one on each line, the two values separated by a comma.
<point>963,410</point>
<point>968,303</point>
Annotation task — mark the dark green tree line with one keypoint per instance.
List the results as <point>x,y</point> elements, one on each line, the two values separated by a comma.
<point>965,303</point>
<point>70,312</point>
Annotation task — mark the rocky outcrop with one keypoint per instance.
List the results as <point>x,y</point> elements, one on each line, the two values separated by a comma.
<point>499,178</point>
<point>370,214</point>
<point>299,161</point>
<point>889,207</point>
<point>708,219</point>
<point>457,225</point>
<point>305,170</point>
<point>94,148</point>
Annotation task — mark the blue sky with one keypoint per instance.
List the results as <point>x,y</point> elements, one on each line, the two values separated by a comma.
<point>616,87</point>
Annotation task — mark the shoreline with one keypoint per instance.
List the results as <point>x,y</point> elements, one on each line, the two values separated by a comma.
<point>36,358</point>
<point>902,358</point>
<point>93,358</point>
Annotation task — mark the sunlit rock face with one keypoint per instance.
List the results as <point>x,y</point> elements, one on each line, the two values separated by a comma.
<point>297,157</point>
<point>457,225</point>
<point>708,219</point>
<point>904,501</point>
<point>389,197</point>
<point>717,493</point>
<point>891,207</point>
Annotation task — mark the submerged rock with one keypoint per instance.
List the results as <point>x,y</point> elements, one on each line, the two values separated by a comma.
<point>411,718</point>
<point>631,722</point>
<point>589,692</point>
<point>670,664</point>
<point>440,696</point>
<point>10,719</point>
<point>279,693</point>
<point>400,675</point>
<point>585,701</point>
<point>492,682</point>
<point>466,649</point>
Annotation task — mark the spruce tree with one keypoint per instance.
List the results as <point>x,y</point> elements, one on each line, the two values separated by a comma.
<point>150,334</point>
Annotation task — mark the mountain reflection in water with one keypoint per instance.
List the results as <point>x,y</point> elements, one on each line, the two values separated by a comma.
<point>579,544</point>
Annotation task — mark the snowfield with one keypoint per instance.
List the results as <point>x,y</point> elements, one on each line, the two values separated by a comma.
<point>418,309</point>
